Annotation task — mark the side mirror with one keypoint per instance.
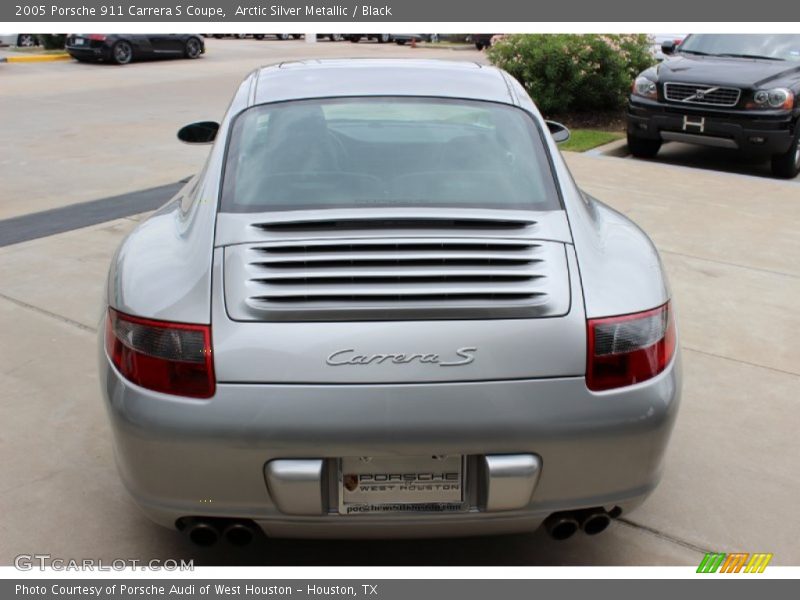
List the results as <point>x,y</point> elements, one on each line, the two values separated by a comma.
<point>202,132</point>
<point>668,46</point>
<point>559,132</point>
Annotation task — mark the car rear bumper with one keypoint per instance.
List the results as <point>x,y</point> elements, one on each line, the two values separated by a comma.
<point>88,52</point>
<point>180,457</point>
<point>761,134</point>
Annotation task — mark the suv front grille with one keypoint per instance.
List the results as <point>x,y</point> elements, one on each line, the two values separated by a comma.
<point>697,93</point>
<point>414,275</point>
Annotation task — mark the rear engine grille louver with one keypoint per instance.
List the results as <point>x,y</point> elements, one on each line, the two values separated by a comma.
<point>415,273</point>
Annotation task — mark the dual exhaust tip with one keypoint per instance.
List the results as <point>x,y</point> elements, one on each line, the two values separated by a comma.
<point>591,521</point>
<point>206,532</point>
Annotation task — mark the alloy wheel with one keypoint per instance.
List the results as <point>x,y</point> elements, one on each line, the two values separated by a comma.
<point>192,48</point>
<point>123,53</point>
<point>26,40</point>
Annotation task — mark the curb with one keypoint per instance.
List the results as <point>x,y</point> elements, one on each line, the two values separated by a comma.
<point>618,148</point>
<point>35,58</point>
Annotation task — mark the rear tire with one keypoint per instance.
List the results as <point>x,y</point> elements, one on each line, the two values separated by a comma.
<point>258,36</point>
<point>479,45</point>
<point>122,53</point>
<point>355,38</point>
<point>384,38</point>
<point>400,42</point>
<point>643,147</point>
<point>283,36</point>
<point>193,48</point>
<point>787,165</point>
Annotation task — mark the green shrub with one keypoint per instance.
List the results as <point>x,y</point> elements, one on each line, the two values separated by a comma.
<point>574,73</point>
<point>52,41</point>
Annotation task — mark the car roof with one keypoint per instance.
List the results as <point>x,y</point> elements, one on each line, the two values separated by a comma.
<point>380,77</point>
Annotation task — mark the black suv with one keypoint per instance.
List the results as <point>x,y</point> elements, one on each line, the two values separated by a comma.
<point>729,91</point>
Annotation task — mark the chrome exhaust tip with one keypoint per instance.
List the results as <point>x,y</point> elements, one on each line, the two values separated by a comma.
<point>593,521</point>
<point>596,523</point>
<point>202,533</point>
<point>561,526</point>
<point>239,533</point>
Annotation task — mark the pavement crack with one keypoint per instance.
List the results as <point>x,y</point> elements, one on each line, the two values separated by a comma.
<point>664,536</point>
<point>741,362</point>
<point>47,313</point>
<point>730,264</point>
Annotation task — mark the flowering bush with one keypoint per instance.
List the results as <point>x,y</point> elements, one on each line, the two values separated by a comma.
<point>573,73</point>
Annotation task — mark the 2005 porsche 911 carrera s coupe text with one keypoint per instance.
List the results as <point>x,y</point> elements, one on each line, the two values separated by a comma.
<point>383,308</point>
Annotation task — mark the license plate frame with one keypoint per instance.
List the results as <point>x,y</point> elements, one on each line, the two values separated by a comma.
<point>79,41</point>
<point>402,485</point>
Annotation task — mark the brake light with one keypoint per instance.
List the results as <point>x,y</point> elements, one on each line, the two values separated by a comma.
<point>97,37</point>
<point>173,358</point>
<point>629,349</point>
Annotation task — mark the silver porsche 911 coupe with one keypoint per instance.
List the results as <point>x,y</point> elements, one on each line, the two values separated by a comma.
<point>384,308</point>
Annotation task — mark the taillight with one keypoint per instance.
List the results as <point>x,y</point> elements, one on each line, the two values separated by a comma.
<point>97,37</point>
<point>630,348</point>
<point>173,358</point>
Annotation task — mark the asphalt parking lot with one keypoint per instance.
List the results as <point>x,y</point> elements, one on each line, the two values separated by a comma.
<point>75,133</point>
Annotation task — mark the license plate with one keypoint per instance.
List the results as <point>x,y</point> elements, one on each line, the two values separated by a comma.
<point>79,41</point>
<point>408,484</point>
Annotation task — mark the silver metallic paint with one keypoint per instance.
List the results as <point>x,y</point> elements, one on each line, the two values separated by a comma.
<point>276,399</point>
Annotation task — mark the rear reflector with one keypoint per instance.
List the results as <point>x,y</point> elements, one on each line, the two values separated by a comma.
<point>630,348</point>
<point>97,37</point>
<point>173,358</point>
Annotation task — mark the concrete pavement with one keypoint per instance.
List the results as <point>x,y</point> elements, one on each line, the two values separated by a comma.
<point>68,126</point>
<point>729,242</point>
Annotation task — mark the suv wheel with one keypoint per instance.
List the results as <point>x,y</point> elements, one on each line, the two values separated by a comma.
<point>787,165</point>
<point>643,147</point>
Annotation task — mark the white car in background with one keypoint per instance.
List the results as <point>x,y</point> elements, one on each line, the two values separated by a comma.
<point>24,40</point>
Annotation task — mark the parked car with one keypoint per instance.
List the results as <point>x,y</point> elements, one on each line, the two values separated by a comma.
<point>482,40</point>
<point>384,308</point>
<point>722,90</point>
<point>381,38</point>
<point>122,48</point>
<point>22,40</point>
<point>281,36</point>
<point>404,38</point>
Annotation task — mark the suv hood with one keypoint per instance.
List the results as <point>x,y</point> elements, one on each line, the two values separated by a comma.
<point>734,72</point>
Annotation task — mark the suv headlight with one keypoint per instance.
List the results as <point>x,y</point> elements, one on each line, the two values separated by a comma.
<point>774,98</point>
<point>645,88</point>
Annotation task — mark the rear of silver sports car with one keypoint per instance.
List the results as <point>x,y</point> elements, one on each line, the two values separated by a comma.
<point>384,371</point>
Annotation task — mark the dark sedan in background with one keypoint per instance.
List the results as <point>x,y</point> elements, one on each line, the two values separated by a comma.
<point>728,91</point>
<point>122,48</point>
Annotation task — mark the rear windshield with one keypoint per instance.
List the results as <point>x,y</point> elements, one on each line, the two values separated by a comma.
<point>346,152</point>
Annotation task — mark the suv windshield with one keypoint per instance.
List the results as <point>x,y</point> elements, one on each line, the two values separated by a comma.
<point>356,152</point>
<point>776,47</point>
